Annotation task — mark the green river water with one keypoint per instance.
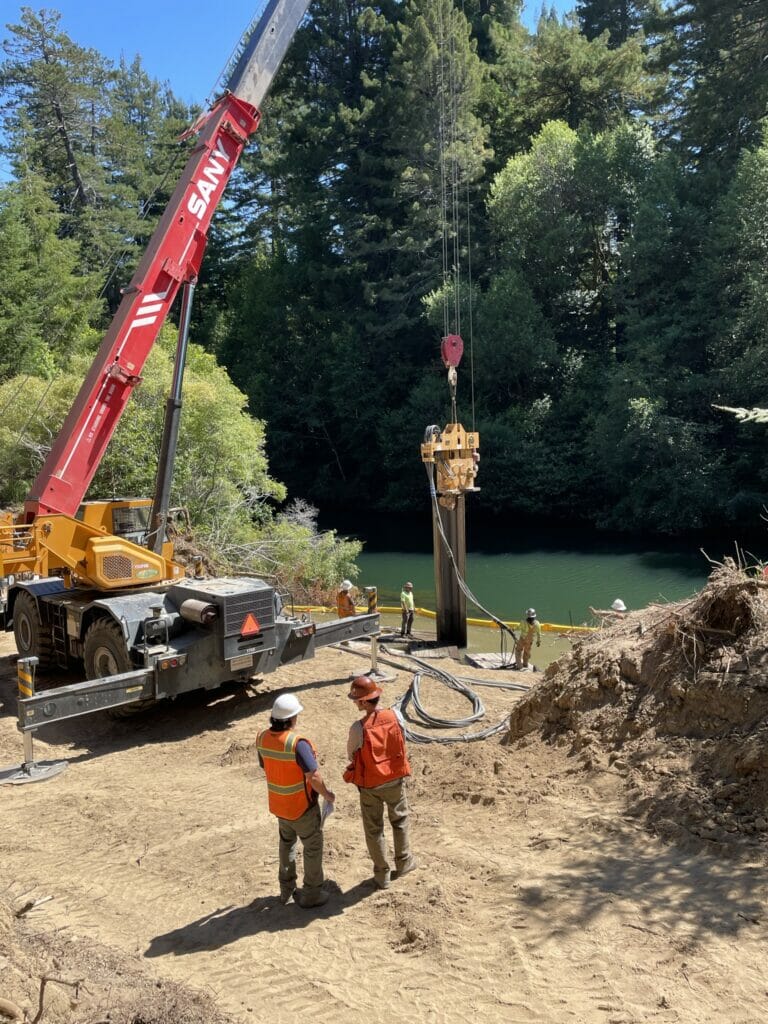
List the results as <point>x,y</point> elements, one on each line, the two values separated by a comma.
<point>558,572</point>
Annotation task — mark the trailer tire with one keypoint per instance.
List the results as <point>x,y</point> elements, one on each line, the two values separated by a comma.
<point>105,654</point>
<point>32,638</point>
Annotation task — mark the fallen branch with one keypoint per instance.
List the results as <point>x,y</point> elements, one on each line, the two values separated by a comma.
<point>648,931</point>
<point>41,998</point>
<point>538,840</point>
<point>30,905</point>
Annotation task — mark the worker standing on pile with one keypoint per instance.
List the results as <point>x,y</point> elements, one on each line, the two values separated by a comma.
<point>345,605</point>
<point>289,761</point>
<point>379,768</point>
<point>529,629</point>
<point>408,607</point>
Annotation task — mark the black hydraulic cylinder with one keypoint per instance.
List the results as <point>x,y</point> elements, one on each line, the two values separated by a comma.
<point>451,602</point>
<point>162,498</point>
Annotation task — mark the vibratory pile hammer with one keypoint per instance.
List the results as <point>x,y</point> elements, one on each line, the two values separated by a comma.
<point>96,582</point>
<point>451,455</point>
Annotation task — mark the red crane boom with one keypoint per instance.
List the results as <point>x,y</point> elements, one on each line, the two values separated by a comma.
<point>173,256</point>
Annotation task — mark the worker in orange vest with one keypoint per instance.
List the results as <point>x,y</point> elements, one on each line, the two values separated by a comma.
<point>289,761</point>
<point>379,767</point>
<point>345,605</point>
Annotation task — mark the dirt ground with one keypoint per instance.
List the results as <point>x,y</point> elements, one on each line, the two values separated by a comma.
<point>541,895</point>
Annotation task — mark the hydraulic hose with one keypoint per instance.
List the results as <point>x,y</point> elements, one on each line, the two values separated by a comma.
<point>412,698</point>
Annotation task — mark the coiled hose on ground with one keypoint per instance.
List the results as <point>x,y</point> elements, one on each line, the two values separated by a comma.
<point>461,684</point>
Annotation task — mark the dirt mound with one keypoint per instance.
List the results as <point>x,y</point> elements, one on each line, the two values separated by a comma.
<point>56,978</point>
<point>239,753</point>
<point>675,699</point>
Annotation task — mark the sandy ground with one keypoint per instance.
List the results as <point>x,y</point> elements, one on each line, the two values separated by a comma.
<point>538,898</point>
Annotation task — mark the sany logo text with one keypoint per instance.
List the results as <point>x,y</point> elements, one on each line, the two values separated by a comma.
<point>207,184</point>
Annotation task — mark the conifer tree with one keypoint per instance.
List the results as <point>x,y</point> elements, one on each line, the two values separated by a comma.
<point>54,96</point>
<point>440,148</point>
<point>102,138</point>
<point>587,83</point>
<point>718,94</point>
<point>45,301</point>
<point>621,19</point>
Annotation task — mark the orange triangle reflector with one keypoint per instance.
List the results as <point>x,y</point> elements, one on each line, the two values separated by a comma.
<point>250,625</point>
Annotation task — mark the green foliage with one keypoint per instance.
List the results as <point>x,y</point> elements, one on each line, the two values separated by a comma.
<point>221,470</point>
<point>45,302</point>
<point>584,82</point>
<point>300,558</point>
<point>561,214</point>
<point>617,245</point>
<point>714,51</point>
<point>101,137</point>
<point>681,494</point>
<point>619,18</point>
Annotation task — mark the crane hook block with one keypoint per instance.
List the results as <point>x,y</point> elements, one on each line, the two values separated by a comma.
<point>452,349</point>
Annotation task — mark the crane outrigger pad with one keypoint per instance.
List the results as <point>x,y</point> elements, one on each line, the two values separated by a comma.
<point>37,771</point>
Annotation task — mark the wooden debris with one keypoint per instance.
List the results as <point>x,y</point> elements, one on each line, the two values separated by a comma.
<point>31,905</point>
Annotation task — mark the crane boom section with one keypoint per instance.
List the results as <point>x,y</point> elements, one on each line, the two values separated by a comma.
<point>173,256</point>
<point>265,49</point>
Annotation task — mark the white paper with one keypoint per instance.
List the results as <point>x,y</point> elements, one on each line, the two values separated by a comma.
<point>326,810</point>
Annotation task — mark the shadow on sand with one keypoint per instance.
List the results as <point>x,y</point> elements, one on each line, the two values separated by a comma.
<point>265,914</point>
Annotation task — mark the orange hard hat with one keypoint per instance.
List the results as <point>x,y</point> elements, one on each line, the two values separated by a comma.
<point>364,688</point>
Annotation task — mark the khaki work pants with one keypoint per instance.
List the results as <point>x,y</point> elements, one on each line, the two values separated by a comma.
<point>394,797</point>
<point>308,829</point>
<point>523,651</point>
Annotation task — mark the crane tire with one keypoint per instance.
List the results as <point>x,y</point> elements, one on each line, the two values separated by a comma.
<point>32,638</point>
<point>105,654</point>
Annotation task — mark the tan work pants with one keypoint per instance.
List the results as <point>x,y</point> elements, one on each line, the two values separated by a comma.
<point>308,829</point>
<point>523,651</point>
<point>394,797</point>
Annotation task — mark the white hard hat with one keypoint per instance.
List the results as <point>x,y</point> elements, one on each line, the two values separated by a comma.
<point>286,706</point>
<point>346,584</point>
<point>618,605</point>
<point>531,613</point>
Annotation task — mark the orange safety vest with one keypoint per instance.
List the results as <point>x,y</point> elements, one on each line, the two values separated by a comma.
<point>382,757</point>
<point>345,606</point>
<point>289,793</point>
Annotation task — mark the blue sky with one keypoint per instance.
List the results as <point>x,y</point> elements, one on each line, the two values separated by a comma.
<point>187,44</point>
